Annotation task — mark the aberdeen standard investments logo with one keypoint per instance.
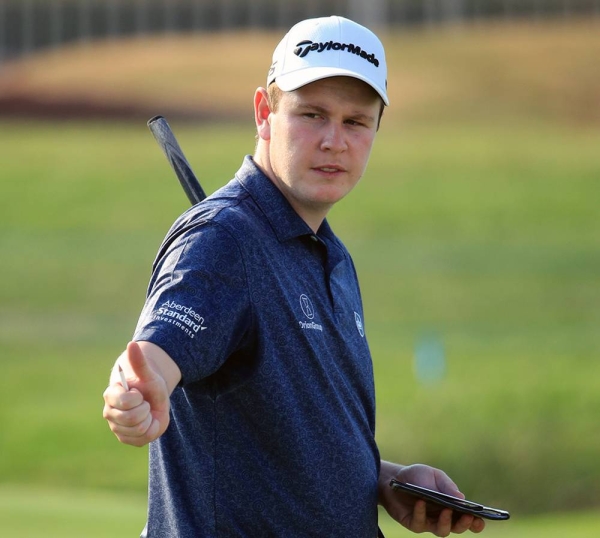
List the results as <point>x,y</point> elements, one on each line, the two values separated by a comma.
<point>183,317</point>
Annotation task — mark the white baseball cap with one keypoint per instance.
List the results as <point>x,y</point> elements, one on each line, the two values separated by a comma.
<point>328,47</point>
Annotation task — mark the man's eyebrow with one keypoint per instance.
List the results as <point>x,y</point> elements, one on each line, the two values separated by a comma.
<point>357,116</point>
<point>313,108</point>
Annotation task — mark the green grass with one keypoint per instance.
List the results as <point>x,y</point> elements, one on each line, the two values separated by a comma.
<point>483,238</point>
<point>36,512</point>
<point>487,242</point>
<point>27,512</point>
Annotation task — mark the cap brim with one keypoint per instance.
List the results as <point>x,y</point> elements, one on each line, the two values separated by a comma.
<point>292,81</point>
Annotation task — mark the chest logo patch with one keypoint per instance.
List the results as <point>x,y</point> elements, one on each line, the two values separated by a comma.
<point>309,311</point>
<point>307,306</point>
<point>359,324</point>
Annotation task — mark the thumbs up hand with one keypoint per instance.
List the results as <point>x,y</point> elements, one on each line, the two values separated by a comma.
<point>141,414</point>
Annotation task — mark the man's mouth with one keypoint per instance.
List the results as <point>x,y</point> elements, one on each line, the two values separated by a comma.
<point>329,169</point>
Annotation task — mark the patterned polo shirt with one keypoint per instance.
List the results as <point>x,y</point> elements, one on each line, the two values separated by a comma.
<point>272,426</point>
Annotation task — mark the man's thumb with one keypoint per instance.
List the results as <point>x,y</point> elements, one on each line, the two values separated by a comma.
<point>138,362</point>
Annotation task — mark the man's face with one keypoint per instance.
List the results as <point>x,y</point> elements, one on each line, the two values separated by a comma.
<point>320,140</point>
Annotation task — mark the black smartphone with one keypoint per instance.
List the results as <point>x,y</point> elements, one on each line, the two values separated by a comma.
<point>447,501</point>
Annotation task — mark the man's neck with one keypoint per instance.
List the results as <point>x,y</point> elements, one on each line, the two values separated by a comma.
<point>313,217</point>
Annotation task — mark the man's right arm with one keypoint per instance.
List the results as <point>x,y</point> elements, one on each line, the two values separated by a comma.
<point>141,415</point>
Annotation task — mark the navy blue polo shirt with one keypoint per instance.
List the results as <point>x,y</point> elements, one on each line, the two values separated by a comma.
<point>272,426</point>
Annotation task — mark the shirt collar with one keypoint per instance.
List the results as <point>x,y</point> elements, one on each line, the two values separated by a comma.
<point>286,223</point>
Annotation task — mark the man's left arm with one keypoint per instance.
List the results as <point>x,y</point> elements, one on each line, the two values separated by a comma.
<point>411,512</point>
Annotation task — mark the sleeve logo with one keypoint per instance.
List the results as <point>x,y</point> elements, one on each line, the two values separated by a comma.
<point>183,317</point>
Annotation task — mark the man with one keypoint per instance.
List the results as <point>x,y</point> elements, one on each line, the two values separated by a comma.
<point>250,374</point>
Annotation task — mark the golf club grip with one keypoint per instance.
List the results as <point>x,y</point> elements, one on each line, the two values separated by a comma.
<point>166,140</point>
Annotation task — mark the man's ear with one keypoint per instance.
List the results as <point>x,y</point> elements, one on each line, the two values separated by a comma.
<point>262,110</point>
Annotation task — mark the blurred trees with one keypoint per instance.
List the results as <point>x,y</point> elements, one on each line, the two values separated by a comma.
<point>26,25</point>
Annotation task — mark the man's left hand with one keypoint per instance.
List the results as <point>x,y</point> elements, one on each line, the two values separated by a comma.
<point>411,512</point>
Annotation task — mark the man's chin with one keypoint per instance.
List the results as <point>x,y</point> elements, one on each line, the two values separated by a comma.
<point>329,196</point>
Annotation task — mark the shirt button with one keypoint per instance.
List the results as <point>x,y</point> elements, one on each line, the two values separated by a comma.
<point>314,238</point>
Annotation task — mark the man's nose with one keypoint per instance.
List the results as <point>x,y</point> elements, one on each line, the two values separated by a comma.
<point>334,138</point>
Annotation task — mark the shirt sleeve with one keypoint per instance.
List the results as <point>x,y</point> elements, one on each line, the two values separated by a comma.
<point>197,307</point>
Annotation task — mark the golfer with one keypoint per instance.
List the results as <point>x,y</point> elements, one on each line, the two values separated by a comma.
<point>249,371</point>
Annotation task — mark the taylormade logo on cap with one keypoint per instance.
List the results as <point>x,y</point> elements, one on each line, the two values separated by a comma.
<point>324,47</point>
<point>304,47</point>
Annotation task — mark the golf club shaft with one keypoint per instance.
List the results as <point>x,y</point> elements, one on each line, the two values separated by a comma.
<point>166,140</point>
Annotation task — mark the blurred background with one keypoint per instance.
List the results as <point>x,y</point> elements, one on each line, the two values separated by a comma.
<point>475,233</point>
